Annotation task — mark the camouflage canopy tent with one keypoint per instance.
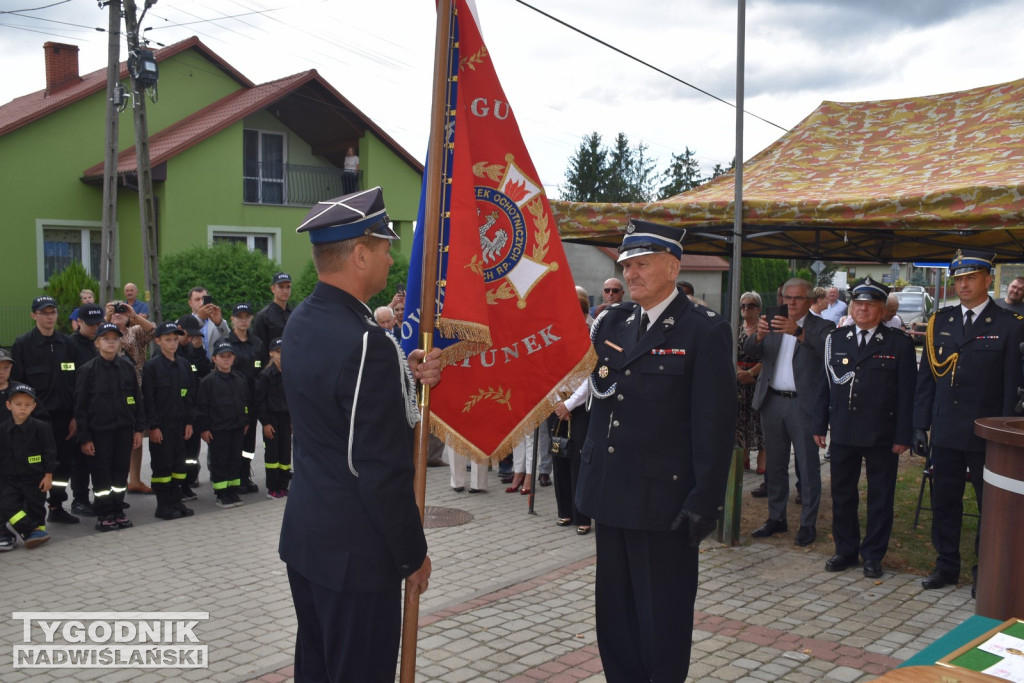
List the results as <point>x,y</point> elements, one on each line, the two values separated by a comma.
<point>891,180</point>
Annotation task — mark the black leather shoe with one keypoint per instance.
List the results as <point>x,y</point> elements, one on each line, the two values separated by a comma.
<point>472,490</point>
<point>872,569</point>
<point>61,516</point>
<point>544,479</point>
<point>938,580</point>
<point>805,536</point>
<point>770,527</point>
<point>761,491</point>
<point>458,489</point>
<point>838,563</point>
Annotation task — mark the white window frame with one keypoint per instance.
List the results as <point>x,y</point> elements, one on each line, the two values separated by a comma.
<point>273,246</point>
<point>58,224</point>
<point>284,164</point>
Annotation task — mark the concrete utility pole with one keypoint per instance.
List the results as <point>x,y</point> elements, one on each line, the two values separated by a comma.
<point>108,240</point>
<point>147,203</point>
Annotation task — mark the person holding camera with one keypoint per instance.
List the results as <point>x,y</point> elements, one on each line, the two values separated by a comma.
<point>210,317</point>
<point>136,334</point>
<point>790,344</point>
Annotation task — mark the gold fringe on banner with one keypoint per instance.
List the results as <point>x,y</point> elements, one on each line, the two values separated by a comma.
<point>474,338</point>
<point>533,419</point>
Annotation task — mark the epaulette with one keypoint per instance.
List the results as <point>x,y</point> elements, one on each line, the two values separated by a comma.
<point>901,331</point>
<point>624,305</point>
<point>946,308</point>
<point>700,308</point>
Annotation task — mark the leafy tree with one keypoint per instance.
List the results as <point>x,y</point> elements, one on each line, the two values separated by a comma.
<point>596,173</point>
<point>64,287</point>
<point>718,170</point>
<point>587,174</point>
<point>230,272</point>
<point>682,174</point>
<point>397,277</point>
<point>763,275</point>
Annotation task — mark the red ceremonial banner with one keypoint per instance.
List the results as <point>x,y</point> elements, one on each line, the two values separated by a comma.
<point>506,272</point>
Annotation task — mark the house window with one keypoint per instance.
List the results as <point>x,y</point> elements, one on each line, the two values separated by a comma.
<point>64,245</point>
<point>263,167</point>
<point>263,240</point>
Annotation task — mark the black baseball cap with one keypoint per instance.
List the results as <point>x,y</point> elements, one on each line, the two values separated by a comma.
<point>20,388</point>
<point>168,327</point>
<point>223,347</point>
<point>108,327</point>
<point>91,314</point>
<point>280,277</point>
<point>41,302</point>
<point>241,308</point>
<point>275,344</point>
<point>190,324</point>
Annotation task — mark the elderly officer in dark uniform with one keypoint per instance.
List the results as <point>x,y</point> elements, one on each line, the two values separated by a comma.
<point>654,464</point>
<point>351,529</point>
<point>971,369</point>
<point>792,350</point>
<point>869,402</point>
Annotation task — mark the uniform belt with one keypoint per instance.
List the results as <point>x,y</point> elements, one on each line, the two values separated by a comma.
<point>783,394</point>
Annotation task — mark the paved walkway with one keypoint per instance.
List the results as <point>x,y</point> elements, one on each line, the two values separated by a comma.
<point>511,598</point>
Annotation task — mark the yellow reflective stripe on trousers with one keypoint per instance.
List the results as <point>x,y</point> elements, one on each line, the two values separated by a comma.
<point>160,480</point>
<point>17,517</point>
<point>220,485</point>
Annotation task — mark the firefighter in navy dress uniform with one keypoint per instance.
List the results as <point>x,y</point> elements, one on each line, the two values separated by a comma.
<point>654,464</point>
<point>971,369</point>
<point>351,530</point>
<point>869,402</point>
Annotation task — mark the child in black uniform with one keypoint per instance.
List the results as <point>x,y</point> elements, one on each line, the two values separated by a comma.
<point>28,456</point>
<point>108,410</point>
<point>190,347</point>
<point>272,408</point>
<point>222,408</point>
<point>168,389</point>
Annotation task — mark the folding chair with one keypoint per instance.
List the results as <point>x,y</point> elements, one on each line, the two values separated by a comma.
<point>926,478</point>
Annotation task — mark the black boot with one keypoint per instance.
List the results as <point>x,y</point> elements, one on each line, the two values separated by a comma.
<point>165,507</point>
<point>176,497</point>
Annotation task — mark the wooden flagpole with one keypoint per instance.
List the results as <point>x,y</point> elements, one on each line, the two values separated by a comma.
<point>431,220</point>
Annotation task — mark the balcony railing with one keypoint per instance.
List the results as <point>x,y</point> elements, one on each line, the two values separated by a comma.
<point>293,185</point>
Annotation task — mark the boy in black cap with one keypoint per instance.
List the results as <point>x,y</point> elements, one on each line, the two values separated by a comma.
<point>90,315</point>
<point>249,355</point>
<point>28,456</point>
<point>272,407</point>
<point>110,416</point>
<point>168,390</point>
<point>222,416</point>
<point>270,321</point>
<point>6,364</point>
<point>44,358</point>
<point>190,347</point>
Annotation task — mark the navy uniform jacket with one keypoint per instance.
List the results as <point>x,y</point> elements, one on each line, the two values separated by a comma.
<point>27,451</point>
<point>168,391</point>
<point>983,382</point>
<point>108,397</point>
<point>351,521</point>
<point>661,441</point>
<point>869,395</point>
<point>47,364</point>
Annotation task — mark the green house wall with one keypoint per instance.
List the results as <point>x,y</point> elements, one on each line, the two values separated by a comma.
<point>44,161</point>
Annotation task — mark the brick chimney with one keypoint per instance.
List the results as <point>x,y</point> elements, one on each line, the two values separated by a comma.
<point>61,66</point>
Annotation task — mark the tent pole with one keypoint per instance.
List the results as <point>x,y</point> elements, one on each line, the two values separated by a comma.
<point>729,529</point>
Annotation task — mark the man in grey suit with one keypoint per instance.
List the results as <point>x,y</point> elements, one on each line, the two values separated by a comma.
<point>792,351</point>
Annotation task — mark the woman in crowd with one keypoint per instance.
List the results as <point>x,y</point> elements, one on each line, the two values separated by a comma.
<point>748,424</point>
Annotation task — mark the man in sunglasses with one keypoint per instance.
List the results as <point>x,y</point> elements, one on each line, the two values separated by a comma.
<point>612,294</point>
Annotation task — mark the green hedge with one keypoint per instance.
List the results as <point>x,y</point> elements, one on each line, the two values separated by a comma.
<point>230,272</point>
<point>64,287</point>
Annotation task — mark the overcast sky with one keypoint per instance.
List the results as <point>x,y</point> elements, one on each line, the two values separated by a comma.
<point>562,85</point>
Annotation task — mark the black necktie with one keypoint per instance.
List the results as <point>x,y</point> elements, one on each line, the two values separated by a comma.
<point>968,320</point>
<point>645,322</point>
<point>863,339</point>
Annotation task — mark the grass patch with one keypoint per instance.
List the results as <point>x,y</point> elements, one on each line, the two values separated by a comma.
<point>910,549</point>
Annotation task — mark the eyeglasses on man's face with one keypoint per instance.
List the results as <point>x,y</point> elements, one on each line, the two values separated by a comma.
<point>612,290</point>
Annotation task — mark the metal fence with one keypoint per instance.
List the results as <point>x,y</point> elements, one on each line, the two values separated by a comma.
<point>291,184</point>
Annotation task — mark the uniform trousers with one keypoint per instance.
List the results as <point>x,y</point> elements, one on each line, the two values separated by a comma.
<point>192,465</point>
<point>67,453</point>
<point>248,452</point>
<point>22,504</point>
<point>168,457</point>
<point>345,636</point>
<point>881,465</point>
<point>948,483</point>
<point>109,468</point>
<point>225,451</point>
<point>645,588</point>
<point>277,452</point>
<point>785,427</point>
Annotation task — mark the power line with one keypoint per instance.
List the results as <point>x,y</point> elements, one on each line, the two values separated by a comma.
<point>33,9</point>
<point>204,21</point>
<point>647,64</point>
